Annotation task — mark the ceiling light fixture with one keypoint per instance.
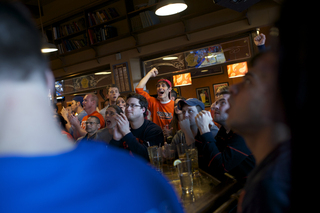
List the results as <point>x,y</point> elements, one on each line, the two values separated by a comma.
<point>170,7</point>
<point>102,73</point>
<point>168,58</point>
<point>46,47</point>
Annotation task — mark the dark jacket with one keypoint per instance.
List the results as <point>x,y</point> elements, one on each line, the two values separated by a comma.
<point>138,140</point>
<point>224,153</point>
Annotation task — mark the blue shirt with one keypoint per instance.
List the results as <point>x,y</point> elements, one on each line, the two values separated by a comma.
<point>90,178</point>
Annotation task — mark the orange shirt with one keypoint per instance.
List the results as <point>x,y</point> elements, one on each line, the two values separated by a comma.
<point>95,113</point>
<point>161,114</point>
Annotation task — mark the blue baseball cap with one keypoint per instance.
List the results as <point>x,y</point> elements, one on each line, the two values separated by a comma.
<point>191,102</point>
<point>78,99</point>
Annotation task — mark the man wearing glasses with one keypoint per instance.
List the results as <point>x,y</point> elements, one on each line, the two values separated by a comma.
<point>92,126</point>
<point>133,132</point>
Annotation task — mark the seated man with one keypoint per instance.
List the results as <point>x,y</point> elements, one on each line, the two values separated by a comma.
<point>133,131</point>
<point>189,132</point>
<point>92,126</point>
<point>227,152</point>
<point>90,102</point>
<point>162,107</point>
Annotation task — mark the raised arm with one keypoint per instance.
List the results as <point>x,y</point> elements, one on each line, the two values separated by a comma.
<point>145,79</point>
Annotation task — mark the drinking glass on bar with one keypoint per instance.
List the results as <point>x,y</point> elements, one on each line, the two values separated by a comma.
<point>170,154</point>
<point>155,157</point>
<point>192,154</point>
<point>181,148</point>
<point>185,174</point>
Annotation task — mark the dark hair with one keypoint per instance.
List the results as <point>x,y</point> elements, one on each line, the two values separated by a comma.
<point>142,101</point>
<point>173,94</point>
<point>117,108</point>
<point>61,121</point>
<point>20,44</point>
<point>95,118</point>
<point>123,97</point>
<point>223,90</point>
<point>111,85</point>
<point>175,120</point>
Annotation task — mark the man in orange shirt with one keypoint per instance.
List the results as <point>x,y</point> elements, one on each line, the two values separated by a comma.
<point>162,107</point>
<point>90,102</point>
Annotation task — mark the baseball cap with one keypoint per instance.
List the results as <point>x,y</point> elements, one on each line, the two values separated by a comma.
<point>165,80</point>
<point>78,99</point>
<point>168,82</point>
<point>191,102</point>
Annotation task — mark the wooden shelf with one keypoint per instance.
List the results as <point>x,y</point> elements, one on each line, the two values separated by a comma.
<point>120,18</point>
<point>153,6</point>
<point>70,35</point>
<point>128,15</point>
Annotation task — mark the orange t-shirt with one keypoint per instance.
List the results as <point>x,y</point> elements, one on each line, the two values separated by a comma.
<point>96,114</point>
<point>161,114</point>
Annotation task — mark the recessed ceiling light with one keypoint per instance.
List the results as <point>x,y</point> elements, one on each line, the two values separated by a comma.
<point>169,58</point>
<point>102,73</point>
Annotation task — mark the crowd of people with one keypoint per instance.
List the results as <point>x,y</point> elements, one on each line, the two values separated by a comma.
<point>92,160</point>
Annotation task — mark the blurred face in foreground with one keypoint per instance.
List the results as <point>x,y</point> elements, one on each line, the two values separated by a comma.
<point>253,102</point>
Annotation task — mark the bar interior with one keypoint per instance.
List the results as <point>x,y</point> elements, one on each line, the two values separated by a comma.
<point>199,49</point>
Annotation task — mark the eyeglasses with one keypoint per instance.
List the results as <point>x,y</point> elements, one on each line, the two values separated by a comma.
<point>87,123</point>
<point>132,105</point>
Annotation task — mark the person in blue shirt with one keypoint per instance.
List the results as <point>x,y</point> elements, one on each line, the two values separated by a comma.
<point>40,170</point>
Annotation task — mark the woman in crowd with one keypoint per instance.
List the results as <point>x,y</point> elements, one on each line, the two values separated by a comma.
<point>121,102</point>
<point>105,134</point>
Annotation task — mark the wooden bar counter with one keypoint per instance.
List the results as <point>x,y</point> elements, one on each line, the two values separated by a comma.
<point>209,193</point>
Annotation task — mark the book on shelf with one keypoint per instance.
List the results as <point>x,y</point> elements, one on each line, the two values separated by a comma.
<point>101,16</point>
<point>103,33</point>
<point>68,29</point>
<point>144,19</point>
<point>68,45</point>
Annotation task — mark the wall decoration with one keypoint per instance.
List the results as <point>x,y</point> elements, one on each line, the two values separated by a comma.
<point>122,77</point>
<point>203,94</point>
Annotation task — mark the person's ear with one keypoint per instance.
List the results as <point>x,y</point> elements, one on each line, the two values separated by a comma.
<point>98,125</point>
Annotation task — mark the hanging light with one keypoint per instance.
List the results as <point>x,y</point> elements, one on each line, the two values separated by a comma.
<point>170,7</point>
<point>46,47</point>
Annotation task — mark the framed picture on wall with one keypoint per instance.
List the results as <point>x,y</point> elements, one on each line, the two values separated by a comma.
<point>216,86</point>
<point>203,94</point>
<point>177,90</point>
